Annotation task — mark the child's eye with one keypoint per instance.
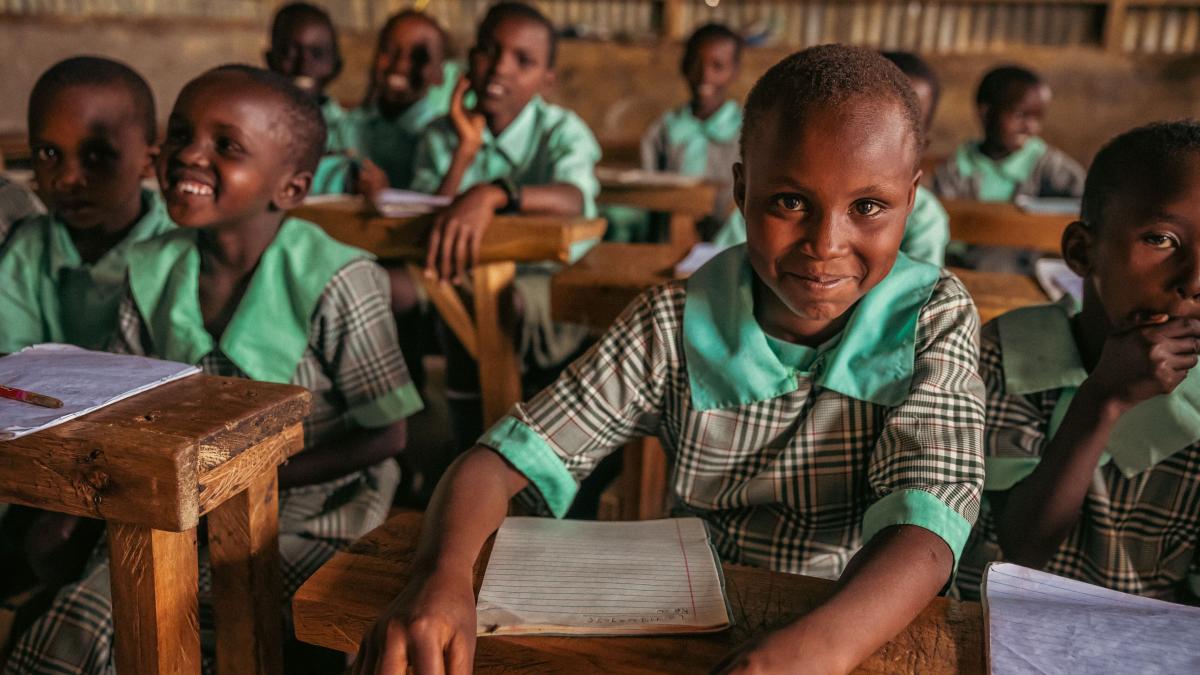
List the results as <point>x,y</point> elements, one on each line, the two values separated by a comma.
<point>1162,241</point>
<point>46,154</point>
<point>227,146</point>
<point>790,202</point>
<point>867,208</point>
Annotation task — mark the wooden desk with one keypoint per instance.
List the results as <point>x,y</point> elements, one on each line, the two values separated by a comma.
<point>510,239</point>
<point>686,204</point>
<point>1003,224</point>
<point>150,466</point>
<point>338,603</point>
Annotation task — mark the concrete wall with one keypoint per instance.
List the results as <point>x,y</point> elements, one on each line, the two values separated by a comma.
<point>617,88</point>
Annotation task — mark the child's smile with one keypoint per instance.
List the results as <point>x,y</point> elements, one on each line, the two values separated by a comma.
<point>1018,119</point>
<point>409,61</point>
<point>509,68</point>
<point>710,73</point>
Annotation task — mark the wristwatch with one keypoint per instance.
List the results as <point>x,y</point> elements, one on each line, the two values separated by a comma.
<point>512,192</point>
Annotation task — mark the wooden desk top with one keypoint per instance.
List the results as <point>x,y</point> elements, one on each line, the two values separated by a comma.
<point>515,238</point>
<point>695,200</point>
<point>1003,224</point>
<point>148,459</point>
<point>338,603</point>
<point>594,290</point>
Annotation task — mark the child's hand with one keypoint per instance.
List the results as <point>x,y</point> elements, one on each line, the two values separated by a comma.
<point>429,628</point>
<point>458,230</point>
<point>781,651</point>
<point>371,178</point>
<point>468,124</point>
<point>1149,356</point>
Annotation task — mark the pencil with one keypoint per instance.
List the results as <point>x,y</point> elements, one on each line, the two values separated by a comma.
<point>29,397</point>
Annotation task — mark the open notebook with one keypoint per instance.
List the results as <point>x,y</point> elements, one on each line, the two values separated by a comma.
<point>571,577</point>
<point>1041,623</point>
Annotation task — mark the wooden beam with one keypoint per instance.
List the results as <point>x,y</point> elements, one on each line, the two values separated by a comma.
<point>227,480</point>
<point>446,299</point>
<point>1115,13</point>
<point>672,16</point>
<point>499,368</point>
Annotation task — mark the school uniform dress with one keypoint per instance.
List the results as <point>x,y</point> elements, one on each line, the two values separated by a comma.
<point>50,295</point>
<point>926,231</point>
<point>334,170</point>
<point>794,456</point>
<point>1036,170</point>
<point>1139,527</point>
<point>315,315</point>
<point>545,144</point>
<point>16,203</point>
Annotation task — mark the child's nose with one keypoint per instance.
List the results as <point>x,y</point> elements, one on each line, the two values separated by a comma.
<point>825,236</point>
<point>192,154</point>
<point>69,175</point>
<point>1187,286</point>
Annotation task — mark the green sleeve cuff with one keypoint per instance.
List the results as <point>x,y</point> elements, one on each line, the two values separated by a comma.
<point>391,407</point>
<point>1001,473</point>
<point>533,457</point>
<point>917,507</point>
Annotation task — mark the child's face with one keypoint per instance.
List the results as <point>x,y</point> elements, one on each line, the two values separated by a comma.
<point>227,160</point>
<point>710,72</point>
<point>510,67</point>
<point>307,55</point>
<point>90,155</point>
<point>825,205</point>
<point>1011,123</point>
<point>409,61</point>
<point>1145,257</point>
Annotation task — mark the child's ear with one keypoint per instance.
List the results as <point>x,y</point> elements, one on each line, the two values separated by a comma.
<point>739,186</point>
<point>148,169</point>
<point>1077,242</point>
<point>912,190</point>
<point>293,191</point>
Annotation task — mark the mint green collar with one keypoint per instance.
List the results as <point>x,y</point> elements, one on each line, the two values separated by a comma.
<point>730,362</point>
<point>998,180</point>
<point>1040,354</point>
<point>693,135</point>
<point>62,254</point>
<point>513,143</point>
<point>268,334</point>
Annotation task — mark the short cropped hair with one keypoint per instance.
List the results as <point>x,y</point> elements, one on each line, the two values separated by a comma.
<point>94,71</point>
<point>517,10</point>
<point>290,13</point>
<point>1146,151</point>
<point>997,85</point>
<point>827,76</point>
<point>412,14</point>
<point>916,68</point>
<point>709,31</point>
<point>302,115</point>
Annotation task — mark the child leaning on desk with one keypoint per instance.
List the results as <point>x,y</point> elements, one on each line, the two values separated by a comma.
<point>244,291</point>
<point>816,390</point>
<point>1093,431</point>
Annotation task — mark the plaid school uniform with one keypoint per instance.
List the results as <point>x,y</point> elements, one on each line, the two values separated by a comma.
<point>1036,170</point>
<point>16,203</point>
<point>795,457</point>
<point>346,355</point>
<point>1139,527</point>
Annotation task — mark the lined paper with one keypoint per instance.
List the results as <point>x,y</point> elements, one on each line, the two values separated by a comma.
<point>1041,623</point>
<point>571,577</point>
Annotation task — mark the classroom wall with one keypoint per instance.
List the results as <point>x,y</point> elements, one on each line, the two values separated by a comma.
<point>618,88</point>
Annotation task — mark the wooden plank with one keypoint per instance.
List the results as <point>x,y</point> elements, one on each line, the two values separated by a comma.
<point>996,293</point>
<point>338,603</point>
<point>223,482</point>
<point>1115,15</point>
<point>1002,224</point>
<point>499,368</point>
<point>691,200</point>
<point>450,307</point>
<point>154,585</point>
<point>243,539</point>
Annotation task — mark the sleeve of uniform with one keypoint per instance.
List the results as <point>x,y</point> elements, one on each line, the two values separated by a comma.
<point>927,231</point>
<point>20,310</point>
<point>356,337</point>
<point>574,152</point>
<point>1061,175</point>
<point>948,183</point>
<point>927,467</point>
<point>431,159</point>
<point>652,147</point>
<point>1016,425</point>
<point>609,396</point>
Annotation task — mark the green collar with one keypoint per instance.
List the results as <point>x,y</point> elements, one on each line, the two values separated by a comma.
<point>421,114</point>
<point>692,135</point>
<point>513,143</point>
<point>730,362</point>
<point>268,333</point>
<point>999,179</point>
<point>62,254</point>
<point>1040,354</point>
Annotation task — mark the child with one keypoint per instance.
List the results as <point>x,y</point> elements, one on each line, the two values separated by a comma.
<point>16,203</point>
<point>512,152</point>
<point>927,230</point>
<point>92,131</point>
<point>1011,159</point>
<point>816,390</point>
<point>243,291</point>
<point>1093,434</point>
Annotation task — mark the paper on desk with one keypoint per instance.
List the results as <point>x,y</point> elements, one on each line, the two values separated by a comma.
<point>83,380</point>
<point>641,177</point>
<point>1041,623</point>
<point>1057,280</point>
<point>695,259</point>
<point>570,577</point>
<point>395,203</point>
<point>1066,206</point>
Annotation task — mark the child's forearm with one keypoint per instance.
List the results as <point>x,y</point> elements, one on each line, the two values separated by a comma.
<point>1038,513</point>
<point>350,452</point>
<point>459,164</point>
<point>559,199</point>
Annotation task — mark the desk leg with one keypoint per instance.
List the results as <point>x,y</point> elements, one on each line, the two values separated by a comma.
<point>155,579</point>
<point>243,541</point>
<point>499,370</point>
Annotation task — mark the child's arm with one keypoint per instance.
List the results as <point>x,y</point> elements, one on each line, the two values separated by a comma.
<point>349,452</point>
<point>885,587</point>
<point>468,126</point>
<point>1147,358</point>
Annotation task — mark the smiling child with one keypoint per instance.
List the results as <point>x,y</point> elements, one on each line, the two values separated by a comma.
<point>816,390</point>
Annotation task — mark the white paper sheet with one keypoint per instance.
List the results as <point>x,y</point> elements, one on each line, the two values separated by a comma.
<point>1057,280</point>
<point>1042,623</point>
<point>695,259</point>
<point>83,380</point>
<point>396,203</point>
<point>1066,206</point>
<point>640,177</point>
<point>602,578</point>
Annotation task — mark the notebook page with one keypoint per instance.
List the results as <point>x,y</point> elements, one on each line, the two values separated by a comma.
<point>601,578</point>
<point>1042,623</point>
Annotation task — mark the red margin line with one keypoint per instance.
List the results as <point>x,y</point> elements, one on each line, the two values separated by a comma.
<point>686,568</point>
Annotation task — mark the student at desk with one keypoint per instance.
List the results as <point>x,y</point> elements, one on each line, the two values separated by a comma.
<point>1093,432</point>
<point>816,389</point>
<point>243,291</point>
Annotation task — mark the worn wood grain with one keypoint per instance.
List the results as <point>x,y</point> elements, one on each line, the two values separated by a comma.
<point>224,481</point>
<point>996,293</point>
<point>1001,224</point>
<point>243,541</point>
<point>154,583</point>
<point>338,603</point>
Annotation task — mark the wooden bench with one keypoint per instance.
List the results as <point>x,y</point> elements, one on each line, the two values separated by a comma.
<point>1003,224</point>
<point>686,204</point>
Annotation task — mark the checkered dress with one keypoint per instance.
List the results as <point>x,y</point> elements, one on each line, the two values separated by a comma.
<point>1136,535</point>
<point>352,358</point>
<point>783,483</point>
